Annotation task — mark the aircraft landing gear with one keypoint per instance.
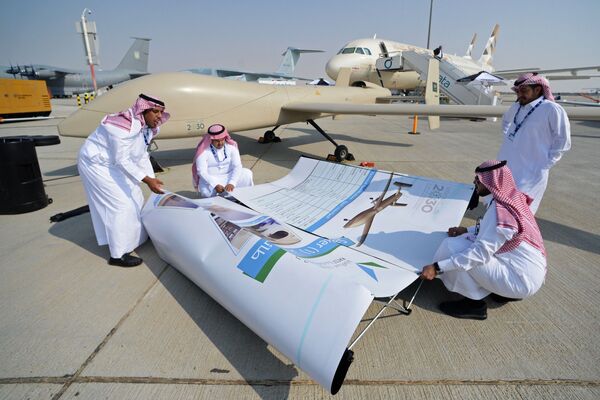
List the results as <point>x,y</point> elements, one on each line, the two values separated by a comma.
<point>341,152</point>
<point>270,136</point>
<point>156,167</point>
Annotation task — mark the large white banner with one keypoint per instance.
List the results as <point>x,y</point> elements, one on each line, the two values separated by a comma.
<point>305,293</point>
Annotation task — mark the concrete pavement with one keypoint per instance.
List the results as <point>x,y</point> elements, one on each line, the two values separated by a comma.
<point>73,327</point>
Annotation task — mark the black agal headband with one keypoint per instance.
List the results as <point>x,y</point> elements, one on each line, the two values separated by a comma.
<point>491,167</point>
<point>148,98</point>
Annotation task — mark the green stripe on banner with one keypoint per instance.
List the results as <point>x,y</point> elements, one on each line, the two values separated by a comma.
<point>372,264</point>
<point>268,266</point>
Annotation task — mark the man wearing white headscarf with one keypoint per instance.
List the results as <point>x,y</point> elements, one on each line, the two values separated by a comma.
<point>536,134</point>
<point>112,162</point>
<point>503,256</point>
<point>217,167</point>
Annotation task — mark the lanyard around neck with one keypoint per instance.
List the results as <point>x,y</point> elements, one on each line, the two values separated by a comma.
<point>147,135</point>
<point>518,125</point>
<point>214,152</point>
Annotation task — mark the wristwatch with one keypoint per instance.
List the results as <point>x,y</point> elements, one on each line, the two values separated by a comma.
<point>438,271</point>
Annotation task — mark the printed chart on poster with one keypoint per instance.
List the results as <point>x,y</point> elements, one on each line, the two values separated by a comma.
<point>397,217</point>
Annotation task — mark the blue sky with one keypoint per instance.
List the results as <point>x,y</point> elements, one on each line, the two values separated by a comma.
<point>252,34</point>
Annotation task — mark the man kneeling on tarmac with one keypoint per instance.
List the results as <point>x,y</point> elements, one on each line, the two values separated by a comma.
<point>503,256</point>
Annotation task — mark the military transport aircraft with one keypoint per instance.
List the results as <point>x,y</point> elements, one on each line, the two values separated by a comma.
<point>67,82</point>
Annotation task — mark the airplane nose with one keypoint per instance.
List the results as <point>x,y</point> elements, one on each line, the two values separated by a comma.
<point>332,68</point>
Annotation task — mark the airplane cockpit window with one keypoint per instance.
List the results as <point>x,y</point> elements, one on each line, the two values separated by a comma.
<point>359,50</point>
<point>367,51</point>
<point>348,50</point>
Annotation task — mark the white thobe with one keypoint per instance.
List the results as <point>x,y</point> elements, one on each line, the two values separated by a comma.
<point>470,265</point>
<point>539,143</point>
<point>112,162</point>
<point>216,169</point>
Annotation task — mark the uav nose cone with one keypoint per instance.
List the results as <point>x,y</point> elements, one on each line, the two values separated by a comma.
<point>81,123</point>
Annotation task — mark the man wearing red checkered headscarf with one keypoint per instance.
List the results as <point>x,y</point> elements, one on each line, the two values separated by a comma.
<point>504,255</point>
<point>536,135</point>
<point>217,168</point>
<point>112,163</point>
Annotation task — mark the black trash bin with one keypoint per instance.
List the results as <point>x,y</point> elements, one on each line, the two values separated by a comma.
<point>21,185</point>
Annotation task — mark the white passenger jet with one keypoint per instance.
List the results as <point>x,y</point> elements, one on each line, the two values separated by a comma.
<point>360,57</point>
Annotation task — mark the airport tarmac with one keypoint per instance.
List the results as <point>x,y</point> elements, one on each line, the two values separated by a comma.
<point>73,327</point>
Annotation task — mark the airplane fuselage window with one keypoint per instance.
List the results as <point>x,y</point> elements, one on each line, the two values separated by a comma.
<point>348,50</point>
<point>367,51</point>
<point>359,50</point>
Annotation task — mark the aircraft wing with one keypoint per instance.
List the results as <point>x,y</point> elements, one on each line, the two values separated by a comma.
<point>56,70</point>
<point>64,72</point>
<point>369,222</point>
<point>366,230</point>
<point>570,77</point>
<point>254,76</point>
<point>579,103</point>
<point>573,72</point>
<point>461,111</point>
<point>134,75</point>
<point>243,75</point>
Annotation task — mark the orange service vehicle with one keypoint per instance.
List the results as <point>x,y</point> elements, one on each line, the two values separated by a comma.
<point>23,98</point>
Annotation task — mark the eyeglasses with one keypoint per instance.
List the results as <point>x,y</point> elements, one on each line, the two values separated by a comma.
<point>523,89</point>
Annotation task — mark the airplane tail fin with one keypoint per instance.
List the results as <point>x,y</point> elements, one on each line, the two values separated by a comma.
<point>469,53</point>
<point>136,57</point>
<point>490,48</point>
<point>290,59</point>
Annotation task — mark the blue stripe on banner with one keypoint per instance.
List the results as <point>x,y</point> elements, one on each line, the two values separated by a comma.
<point>309,319</point>
<point>257,257</point>
<point>344,203</point>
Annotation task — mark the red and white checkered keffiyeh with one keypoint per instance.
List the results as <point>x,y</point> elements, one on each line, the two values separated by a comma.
<point>512,206</point>
<point>532,78</point>
<point>123,119</point>
<point>214,132</point>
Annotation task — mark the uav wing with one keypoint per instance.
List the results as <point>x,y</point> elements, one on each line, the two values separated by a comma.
<point>572,72</point>
<point>369,222</point>
<point>461,111</point>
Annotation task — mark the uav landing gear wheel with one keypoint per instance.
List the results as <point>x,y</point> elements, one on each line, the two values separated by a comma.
<point>269,136</point>
<point>341,153</point>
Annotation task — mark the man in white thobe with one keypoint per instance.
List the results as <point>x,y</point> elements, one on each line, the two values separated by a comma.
<point>217,167</point>
<point>536,134</point>
<point>503,256</point>
<point>112,162</point>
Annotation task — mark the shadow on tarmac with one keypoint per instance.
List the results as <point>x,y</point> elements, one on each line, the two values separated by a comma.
<point>249,355</point>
